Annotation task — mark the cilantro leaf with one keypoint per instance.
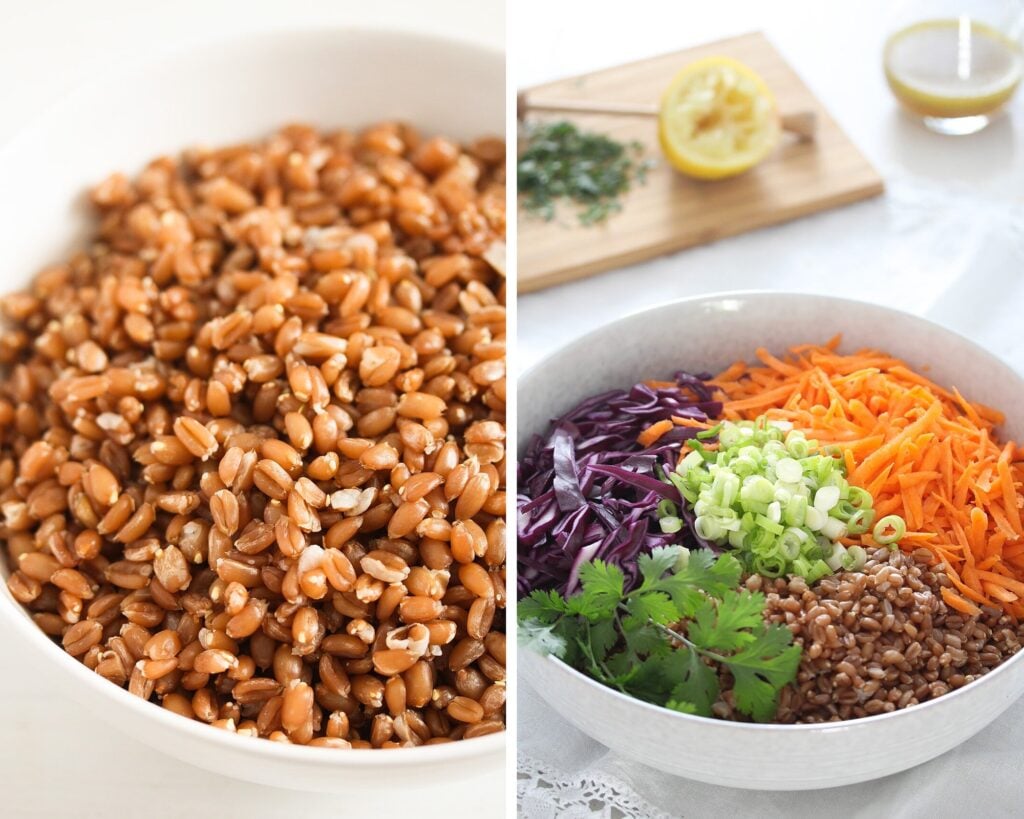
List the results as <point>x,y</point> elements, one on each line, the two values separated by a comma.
<point>603,638</point>
<point>653,677</point>
<point>644,640</point>
<point>655,607</point>
<point>698,685</point>
<point>542,606</point>
<point>544,639</point>
<point>569,628</point>
<point>685,597</point>
<point>622,665</point>
<point>595,640</point>
<point>631,640</point>
<point>726,626</point>
<point>681,677</point>
<point>702,575</point>
<point>713,576</point>
<point>654,565</point>
<point>761,669</point>
<point>602,588</point>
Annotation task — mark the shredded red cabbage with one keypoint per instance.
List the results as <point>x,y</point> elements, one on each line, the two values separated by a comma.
<point>588,489</point>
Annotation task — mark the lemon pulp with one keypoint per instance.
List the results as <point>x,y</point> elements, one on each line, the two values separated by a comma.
<point>952,68</point>
<point>717,119</point>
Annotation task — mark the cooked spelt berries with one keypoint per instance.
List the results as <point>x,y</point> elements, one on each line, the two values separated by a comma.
<point>252,441</point>
<point>879,640</point>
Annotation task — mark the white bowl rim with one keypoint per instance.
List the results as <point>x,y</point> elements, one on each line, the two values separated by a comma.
<point>328,758</point>
<point>721,724</point>
<point>199,42</point>
<point>754,293</point>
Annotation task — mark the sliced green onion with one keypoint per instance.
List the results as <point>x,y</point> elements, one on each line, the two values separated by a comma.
<point>844,510</point>
<point>789,470</point>
<point>755,508</point>
<point>709,433</point>
<point>708,528</point>
<point>889,522</point>
<point>826,498</point>
<point>745,466</point>
<point>797,445</point>
<point>801,566</point>
<point>780,500</point>
<point>835,560</point>
<point>670,525</point>
<point>811,550</point>
<point>791,543</point>
<point>833,529</point>
<point>698,447</point>
<point>687,463</point>
<point>860,498</point>
<point>730,488</point>
<point>758,490</point>
<point>769,525</point>
<point>761,540</point>
<point>684,489</point>
<point>770,566</point>
<point>815,519</point>
<point>729,436</point>
<point>796,511</point>
<point>818,570</point>
<point>854,558</point>
<point>860,521</point>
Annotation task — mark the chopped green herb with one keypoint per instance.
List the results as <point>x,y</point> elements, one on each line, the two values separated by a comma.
<point>588,168</point>
<point>667,640</point>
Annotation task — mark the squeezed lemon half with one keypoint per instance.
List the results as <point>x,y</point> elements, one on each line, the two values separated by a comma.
<point>717,119</point>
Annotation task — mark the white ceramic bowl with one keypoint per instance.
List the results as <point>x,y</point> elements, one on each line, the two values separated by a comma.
<point>216,94</point>
<point>707,334</point>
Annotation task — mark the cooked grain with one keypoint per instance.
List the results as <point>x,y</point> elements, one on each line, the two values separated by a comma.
<point>247,433</point>
<point>878,640</point>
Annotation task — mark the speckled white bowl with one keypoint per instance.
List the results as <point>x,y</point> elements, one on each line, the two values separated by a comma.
<point>707,334</point>
<point>212,94</point>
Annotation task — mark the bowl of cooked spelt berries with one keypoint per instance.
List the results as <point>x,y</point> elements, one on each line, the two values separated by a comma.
<point>252,406</point>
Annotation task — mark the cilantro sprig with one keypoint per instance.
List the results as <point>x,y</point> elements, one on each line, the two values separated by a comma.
<point>667,640</point>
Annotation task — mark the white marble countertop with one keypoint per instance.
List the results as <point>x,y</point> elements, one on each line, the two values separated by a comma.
<point>946,241</point>
<point>56,759</point>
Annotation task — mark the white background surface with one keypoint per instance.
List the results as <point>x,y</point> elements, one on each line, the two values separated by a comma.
<point>55,759</point>
<point>946,241</point>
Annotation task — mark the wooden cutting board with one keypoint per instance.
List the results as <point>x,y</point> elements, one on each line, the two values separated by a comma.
<point>670,212</point>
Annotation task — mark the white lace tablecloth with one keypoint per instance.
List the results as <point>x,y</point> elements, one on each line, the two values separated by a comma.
<point>946,241</point>
<point>564,774</point>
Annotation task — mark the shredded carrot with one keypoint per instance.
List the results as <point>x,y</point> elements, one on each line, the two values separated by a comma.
<point>693,423</point>
<point>1000,594</point>
<point>955,601</point>
<point>925,453</point>
<point>654,432</point>
<point>1007,582</point>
